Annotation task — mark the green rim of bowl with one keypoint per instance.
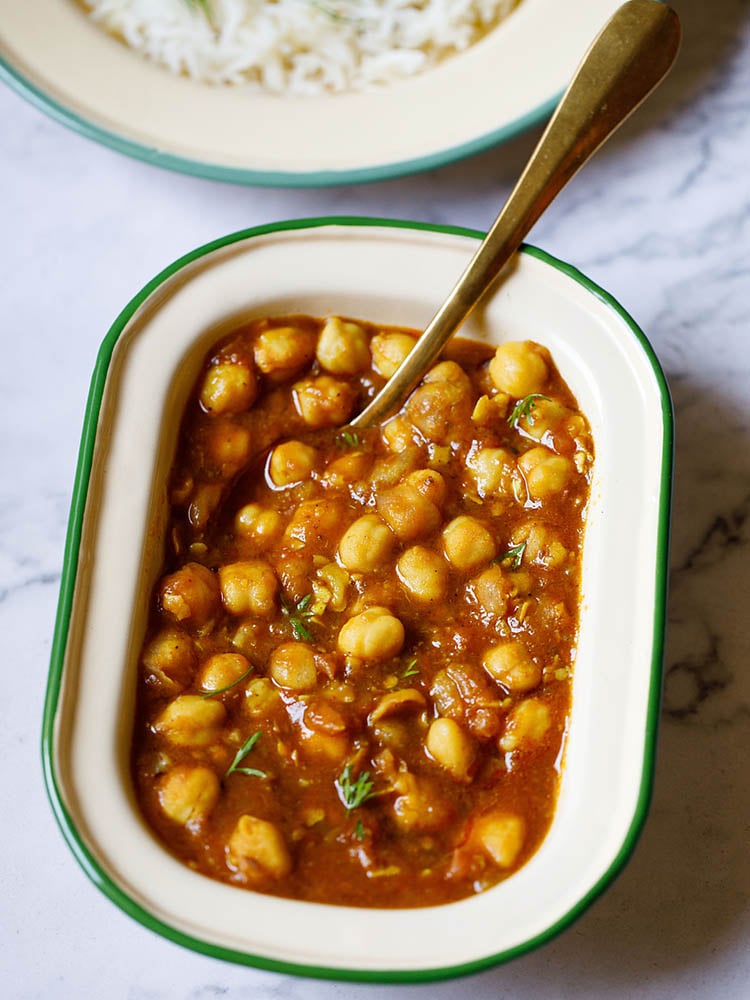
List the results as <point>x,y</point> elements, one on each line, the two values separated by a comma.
<point>37,96</point>
<point>68,578</point>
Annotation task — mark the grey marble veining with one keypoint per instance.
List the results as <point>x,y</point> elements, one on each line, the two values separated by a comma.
<point>662,220</point>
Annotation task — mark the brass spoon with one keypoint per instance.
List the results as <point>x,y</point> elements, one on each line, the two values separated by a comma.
<point>631,55</point>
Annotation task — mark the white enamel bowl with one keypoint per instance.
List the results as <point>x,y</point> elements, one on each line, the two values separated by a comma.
<point>70,68</point>
<point>392,273</point>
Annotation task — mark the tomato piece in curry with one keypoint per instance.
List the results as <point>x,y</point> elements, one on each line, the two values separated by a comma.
<point>356,680</point>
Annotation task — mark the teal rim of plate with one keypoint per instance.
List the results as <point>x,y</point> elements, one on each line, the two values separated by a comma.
<point>58,111</point>
<point>81,852</point>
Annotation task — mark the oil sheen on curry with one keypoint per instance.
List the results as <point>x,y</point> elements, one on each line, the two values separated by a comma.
<point>356,680</point>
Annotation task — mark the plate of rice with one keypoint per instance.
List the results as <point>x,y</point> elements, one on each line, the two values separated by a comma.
<point>296,92</point>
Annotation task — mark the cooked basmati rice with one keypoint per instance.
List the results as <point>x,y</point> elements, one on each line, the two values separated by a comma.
<point>301,47</point>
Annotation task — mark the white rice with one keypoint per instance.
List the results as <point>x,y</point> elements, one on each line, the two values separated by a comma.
<point>301,47</point>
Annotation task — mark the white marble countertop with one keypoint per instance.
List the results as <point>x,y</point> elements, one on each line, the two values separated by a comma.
<point>662,220</point>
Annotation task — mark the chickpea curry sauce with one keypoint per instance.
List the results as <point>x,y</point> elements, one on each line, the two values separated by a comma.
<point>356,680</point>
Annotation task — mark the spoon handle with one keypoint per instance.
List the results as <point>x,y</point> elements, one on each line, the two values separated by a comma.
<point>627,60</point>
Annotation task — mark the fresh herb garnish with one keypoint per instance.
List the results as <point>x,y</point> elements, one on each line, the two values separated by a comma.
<point>411,669</point>
<point>297,615</point>
<point>203,6</point>
<point>335,15</point>
<point>354,793</point>
<point>359,831</point>
<point>524,407</point>
<point>514,554</point>
<point>212,694</point>
<point>348,439</point>
<point>243,751</point>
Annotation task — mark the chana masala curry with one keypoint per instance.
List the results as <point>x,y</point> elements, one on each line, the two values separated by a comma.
<point>356,679</point>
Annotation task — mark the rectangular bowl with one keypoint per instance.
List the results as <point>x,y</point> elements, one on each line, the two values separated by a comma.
<point>390,273</point>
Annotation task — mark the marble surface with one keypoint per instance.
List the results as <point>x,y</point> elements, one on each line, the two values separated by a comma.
<point>662,219</point>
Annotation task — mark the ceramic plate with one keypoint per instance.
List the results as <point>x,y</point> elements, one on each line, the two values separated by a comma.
<point>70,68</point>
<point>390,273</point>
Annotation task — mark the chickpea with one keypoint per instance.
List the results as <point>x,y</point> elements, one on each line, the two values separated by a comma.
<point>519,368</point>
<point>336,580</point>
<point>366,544</point>
<point>260,526</point>
<point>350,468</point>
<point>261,697</point>
<point>258,851</point>
<point>191,594</point>
<point>204,501</point>
<point>291,462</point>
<point>191,720</point>
<point>294,568</point>
<point>551,614</point>
<point>293,667</point>
<point>323,717</point>
<point>228,387</point>
<point>468,543</point>
<point>248,588</point>
<point>520,583</point>
<point>527,723</point>
<point>430,484</point>
<point>541,545</point>
<point>170,660</point>
<point>490,410</point>
<point>225,447</point>
<point>575,424</point>
<point>492,471</point>
<point>283,350</point>
<point>439,410</point>
<point>314,523</point>
<point>343,348</point>
<point>223,669</point>
<point>398,434</point>
<point>389,350</point>
<point>390,470</point>
<point>408,513</point>
<point>449,371</point>
<point>331,748</point>
<point>545,472</point>
<point>373,635</point>
<point>324,401</point>
<point>492,591</point>
<point>544,417</point>
<point>247,635</point>
<point>341,692</point>
<point>510,664</point>
<point>188,794</point>
<point>452,747</point>
<point>423,573</point>
<point>419,807</point>
<point>500,835</point>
